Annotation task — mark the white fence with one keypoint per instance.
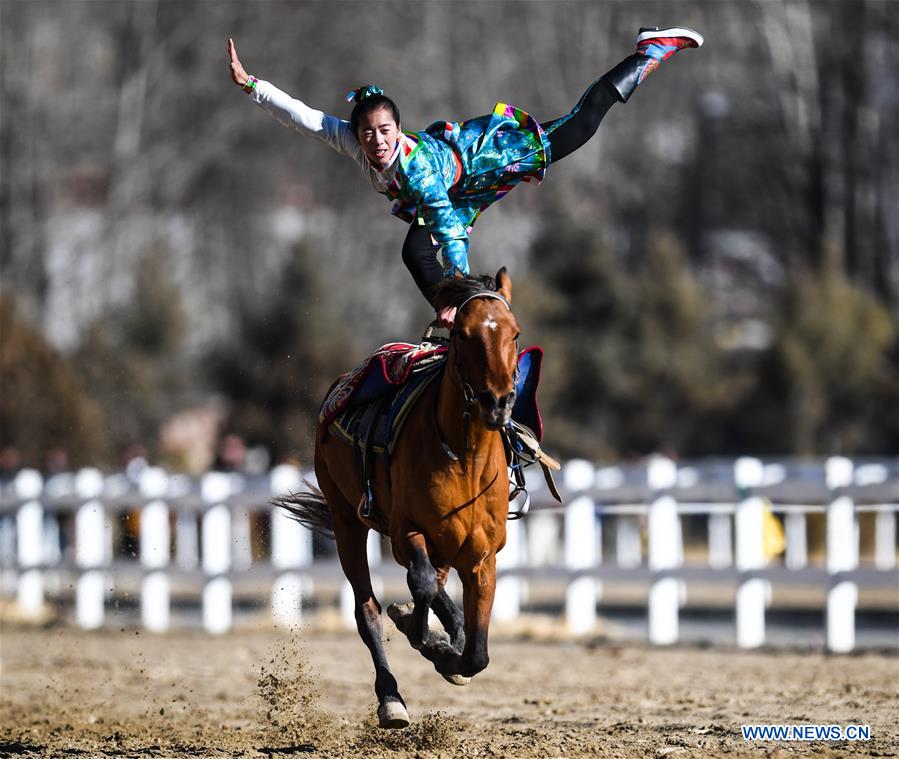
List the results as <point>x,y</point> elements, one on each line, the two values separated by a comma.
<point>201,530</point>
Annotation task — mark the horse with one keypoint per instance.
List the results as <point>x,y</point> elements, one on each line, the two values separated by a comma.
<point>444,501</point>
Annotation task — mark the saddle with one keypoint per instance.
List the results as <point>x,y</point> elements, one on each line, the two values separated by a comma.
<point>368,406</point>
<point>383,372</point>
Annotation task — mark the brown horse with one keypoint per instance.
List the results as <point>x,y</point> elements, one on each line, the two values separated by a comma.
<point>447,499</point>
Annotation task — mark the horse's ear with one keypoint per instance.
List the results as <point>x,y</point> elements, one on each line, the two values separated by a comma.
<point>504,284</point>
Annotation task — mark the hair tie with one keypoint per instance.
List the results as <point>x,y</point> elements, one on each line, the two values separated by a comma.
<point>360,93</point>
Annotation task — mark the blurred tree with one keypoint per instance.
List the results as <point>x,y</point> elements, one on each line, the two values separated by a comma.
<point>287,351</point>
<point>633,367</point>
<point>131,358</point>
<point>43,402</point>
<point>831,380</point>
<point>782,140</point>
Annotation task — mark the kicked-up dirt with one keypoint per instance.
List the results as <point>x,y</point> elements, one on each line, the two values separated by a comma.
<point>124,693</point>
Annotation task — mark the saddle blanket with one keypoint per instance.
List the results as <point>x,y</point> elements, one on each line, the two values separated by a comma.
<point>383,371</point>
<point>389,368</point>
<point>376,424</point>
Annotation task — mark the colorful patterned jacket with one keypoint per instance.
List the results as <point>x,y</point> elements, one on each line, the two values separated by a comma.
<point>442,177</point>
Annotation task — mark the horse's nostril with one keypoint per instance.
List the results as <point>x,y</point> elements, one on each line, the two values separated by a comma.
<point>487,399</point>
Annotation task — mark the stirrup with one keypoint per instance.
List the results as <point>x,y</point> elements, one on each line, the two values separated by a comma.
<point>523,451</point>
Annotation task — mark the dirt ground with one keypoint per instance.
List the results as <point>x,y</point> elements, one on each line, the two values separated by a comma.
<point>276,693</point>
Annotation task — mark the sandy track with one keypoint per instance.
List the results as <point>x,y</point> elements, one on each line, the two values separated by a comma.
<point>256,693</point>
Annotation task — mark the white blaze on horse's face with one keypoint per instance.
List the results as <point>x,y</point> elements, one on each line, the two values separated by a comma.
<point>487,357</point>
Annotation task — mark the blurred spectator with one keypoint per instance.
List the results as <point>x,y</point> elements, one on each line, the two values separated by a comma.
<point>231,455</point>
<point>134,461</point>
<point>10,463</point>
<point>56,461</point>
<point>187,440</point>
<point>258,460</point>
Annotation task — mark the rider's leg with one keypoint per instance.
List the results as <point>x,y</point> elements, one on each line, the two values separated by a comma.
<point>570,132</point>
<point>581,124</point>
<point>420,257</point>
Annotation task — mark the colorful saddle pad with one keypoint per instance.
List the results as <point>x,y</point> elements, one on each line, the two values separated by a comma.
<point>388,371</point>
<point>376,424</point>
<point>382,372</point>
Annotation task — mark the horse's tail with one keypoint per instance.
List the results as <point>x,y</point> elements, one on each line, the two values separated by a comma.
<point>309,509</point>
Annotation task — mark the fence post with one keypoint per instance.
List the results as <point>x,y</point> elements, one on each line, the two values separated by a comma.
<point>885,539</point>
<point>542,539</point>
<point>665,552</point>
<point>187,540</point>
<point>52,549</point>
<point>90,550</point>
<point>721,551</point>
<point>30,534</point>
<point>580,548</point>
<point>291,550</point>
<point>155,540</point>
<point>842,556</point>
<point>507,601</point>
<point>796,556</point>
<point>628,547</point>
<point>241,531</point>
<point>752,592</point>
<point>216,536</point>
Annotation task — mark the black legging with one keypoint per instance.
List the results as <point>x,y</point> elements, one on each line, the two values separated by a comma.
<point>420,255</point>
<point>584,120</point>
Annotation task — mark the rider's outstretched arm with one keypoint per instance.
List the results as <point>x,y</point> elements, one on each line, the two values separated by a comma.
<point>293,113</point>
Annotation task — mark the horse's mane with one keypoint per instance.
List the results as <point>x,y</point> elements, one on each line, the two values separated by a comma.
<point>455,291</point>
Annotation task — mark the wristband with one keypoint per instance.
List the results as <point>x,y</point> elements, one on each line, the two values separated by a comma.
<point>250,85</point>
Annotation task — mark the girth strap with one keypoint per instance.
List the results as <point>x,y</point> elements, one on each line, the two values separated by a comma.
<point>366,469</point>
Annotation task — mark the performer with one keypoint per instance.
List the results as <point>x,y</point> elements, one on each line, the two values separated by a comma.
<point>442,178</point>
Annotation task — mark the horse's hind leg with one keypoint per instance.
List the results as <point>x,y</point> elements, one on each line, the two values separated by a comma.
<point>351,536</point>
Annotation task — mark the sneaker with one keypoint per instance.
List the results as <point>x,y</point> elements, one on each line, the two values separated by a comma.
<point>660,44</point>
<point>653,46</point>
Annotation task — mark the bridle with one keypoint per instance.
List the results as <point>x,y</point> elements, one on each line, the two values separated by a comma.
<point>467,390</point>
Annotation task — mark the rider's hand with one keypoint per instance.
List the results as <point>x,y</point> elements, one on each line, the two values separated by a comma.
<point>237,71</point>
<point>446,316</point>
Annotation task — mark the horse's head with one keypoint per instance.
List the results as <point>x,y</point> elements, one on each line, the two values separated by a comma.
<point>484,343</point>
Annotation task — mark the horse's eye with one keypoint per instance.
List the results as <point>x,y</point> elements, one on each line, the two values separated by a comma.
<point>517,335</point>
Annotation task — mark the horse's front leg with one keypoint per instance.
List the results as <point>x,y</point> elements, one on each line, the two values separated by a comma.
<point>479,588</point>
<point>422,580</point>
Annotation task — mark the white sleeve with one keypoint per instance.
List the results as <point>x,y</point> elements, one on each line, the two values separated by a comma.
<point>295,114</point>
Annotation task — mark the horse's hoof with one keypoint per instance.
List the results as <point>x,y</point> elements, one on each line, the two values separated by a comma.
<point>457,679</point>
<point>392,715</point>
